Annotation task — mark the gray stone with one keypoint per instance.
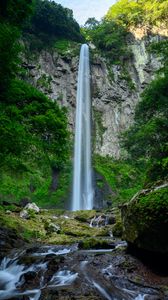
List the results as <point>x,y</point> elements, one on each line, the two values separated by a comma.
<point>113,100</point>
<point>51,227</point>
<point>32,206</point>
<point>24,214</point>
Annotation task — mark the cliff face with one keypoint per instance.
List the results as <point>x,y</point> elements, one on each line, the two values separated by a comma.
<point>115,91</point>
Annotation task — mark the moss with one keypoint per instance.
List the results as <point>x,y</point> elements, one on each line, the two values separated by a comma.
<point>84,215</point>
<point>146,222</point>
<point>67,48</point>
<point>100,129</point>
<point>118,229</point>
<point>93,243</point>
<point>126,76</point>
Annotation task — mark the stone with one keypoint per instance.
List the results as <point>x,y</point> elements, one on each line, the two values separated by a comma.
<point>32,206</point>
<point>145,220</point>
<point>115,93</point>
<point>52,227</point>
<point>29,210</point>
<point>24,214</point>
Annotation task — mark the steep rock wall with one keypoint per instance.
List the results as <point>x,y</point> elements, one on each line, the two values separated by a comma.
<point>115,90</point>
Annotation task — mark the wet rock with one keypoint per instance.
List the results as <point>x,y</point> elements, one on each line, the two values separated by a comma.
<point>91,243</point>
<point>111,219</point>
<point>118,229</point>
<point>29,276</point>
<point>145,220</point>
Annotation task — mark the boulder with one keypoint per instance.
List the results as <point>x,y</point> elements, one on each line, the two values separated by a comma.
<point>24,214</point>
<point>145,220</point>
<point>52,227</point>
<point>32,206</point>
<point>29,210</point>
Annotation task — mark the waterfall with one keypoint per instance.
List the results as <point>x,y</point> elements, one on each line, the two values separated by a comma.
<point>82,179</point>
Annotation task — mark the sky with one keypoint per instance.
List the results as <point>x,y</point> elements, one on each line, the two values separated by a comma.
<point>84,9</point>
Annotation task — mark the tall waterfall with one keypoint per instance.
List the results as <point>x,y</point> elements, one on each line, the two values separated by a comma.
<point>82,179</point>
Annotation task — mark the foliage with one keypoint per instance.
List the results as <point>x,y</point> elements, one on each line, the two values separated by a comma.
<point>148,136</point>
<point>51,22</point>
<point>9,50</point>
<point>108,37</point>
<point>67,48</point>
<point>161,50</point>
<point>142,12</point>
<point>33,132</point>
<point>34,139</point>
<point>123,177</point>
<point>16,12</point>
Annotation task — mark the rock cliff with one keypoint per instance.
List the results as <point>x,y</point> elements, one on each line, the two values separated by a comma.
<point>115,89</point>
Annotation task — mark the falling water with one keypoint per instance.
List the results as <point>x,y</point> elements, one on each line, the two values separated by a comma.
<point>82,181</point>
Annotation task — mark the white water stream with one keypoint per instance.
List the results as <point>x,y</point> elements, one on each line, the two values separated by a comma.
<point>13,278</point>
<point>82,180</point>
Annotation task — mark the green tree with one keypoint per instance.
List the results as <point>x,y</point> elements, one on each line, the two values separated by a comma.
<point>108,37</point>
<point>139,12</point>
<point>51,21</point>
<point>147,138</point>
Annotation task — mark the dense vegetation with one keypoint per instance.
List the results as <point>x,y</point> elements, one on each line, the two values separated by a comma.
<point>51,22</point>
<point>34,137</point>
<point>108,37</point>
<point>123,177</point>
<point>142,12</point>
<point>33,134</point>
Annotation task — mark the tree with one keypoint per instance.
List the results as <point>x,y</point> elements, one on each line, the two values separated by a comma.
<point>142,12</point>
<point>51,21</point>
<point>108,37</point>
<point>147,138</point>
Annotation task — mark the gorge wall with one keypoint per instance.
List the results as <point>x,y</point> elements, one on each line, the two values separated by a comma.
<point>115,90</point>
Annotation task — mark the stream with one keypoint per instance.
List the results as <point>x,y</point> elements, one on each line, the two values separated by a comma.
<point>58,272</point>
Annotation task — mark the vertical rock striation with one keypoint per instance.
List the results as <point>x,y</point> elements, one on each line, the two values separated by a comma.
<point>115,90</point>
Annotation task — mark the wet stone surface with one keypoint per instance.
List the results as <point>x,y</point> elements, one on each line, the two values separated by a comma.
<point>60,272</point>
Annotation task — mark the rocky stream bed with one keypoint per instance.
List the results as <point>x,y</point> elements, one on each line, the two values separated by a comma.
<point>75,257</point>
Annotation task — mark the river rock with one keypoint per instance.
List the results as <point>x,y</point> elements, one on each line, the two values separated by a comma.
<point>33,206</point>
<point>24,214</point>
<point>51,227</point>
<point>145,220</point>
<point>30,208</point>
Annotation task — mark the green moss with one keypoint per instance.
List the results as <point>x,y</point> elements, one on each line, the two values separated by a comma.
<point>92,243</point>
<point>44,82</point>
<point>67,47</point>
<point>123,177</point>
<point>99,128</point>
<point>126,76</point>
<point>146,222</point>
<point>84,215</point>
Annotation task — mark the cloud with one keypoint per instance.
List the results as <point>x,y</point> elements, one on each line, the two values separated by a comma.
<point>84,9</point>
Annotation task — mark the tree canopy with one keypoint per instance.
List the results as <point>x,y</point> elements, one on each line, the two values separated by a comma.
<point>134,12</point>
<point>51,21</point>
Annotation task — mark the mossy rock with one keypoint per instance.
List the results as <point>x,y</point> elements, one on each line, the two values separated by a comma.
<point>84,215</point>
<point>92,243</point>
<point>117,229</point>
<point>145,220</point>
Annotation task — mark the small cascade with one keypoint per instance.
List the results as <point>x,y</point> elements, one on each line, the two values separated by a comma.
<point>62,278</point>
<point>11,279</point>
<point>82,180</point>
<point>99,221</point>
<point>35,273</point>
